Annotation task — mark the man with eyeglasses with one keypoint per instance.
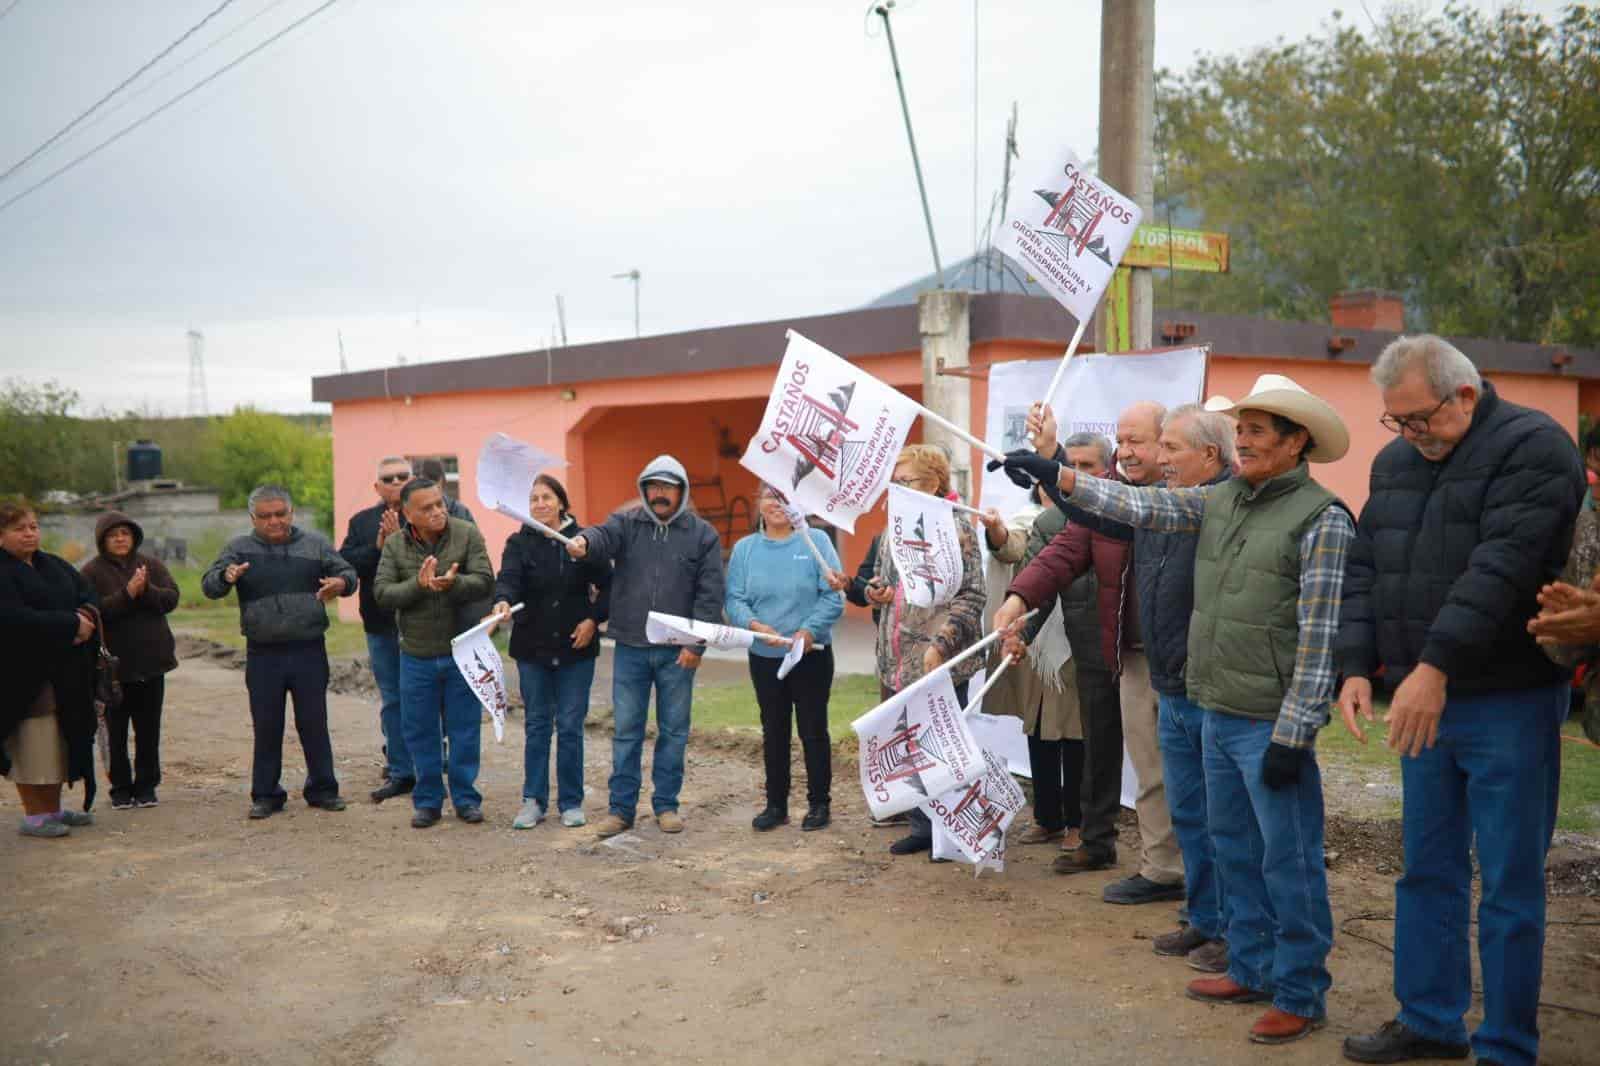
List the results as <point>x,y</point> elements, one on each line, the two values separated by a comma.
<point>1470,513</point>
<point>362,548</point>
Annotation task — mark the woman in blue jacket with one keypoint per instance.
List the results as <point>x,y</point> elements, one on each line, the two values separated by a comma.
<point>776,587</point>
<point>555,641</point>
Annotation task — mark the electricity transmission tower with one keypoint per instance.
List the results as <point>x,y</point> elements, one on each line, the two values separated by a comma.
<point>198,405</point>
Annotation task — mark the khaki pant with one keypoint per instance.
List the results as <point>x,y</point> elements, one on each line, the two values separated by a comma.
<point>1159,859</point>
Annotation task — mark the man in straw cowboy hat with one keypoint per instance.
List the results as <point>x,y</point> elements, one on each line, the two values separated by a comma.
<point>1269,567</point>
<point>1471,511</point>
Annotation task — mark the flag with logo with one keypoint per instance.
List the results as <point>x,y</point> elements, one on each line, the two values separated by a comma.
<point>480,664</point>
<point>1069,230</point>
<point>915,745</point>
<point>970,820</point>
<point>830,434</point>
<point>506,469</point>
<point>925,545</point>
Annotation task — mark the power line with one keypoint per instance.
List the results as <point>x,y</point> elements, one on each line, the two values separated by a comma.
<point>64,130</point>
<point>208,79</point>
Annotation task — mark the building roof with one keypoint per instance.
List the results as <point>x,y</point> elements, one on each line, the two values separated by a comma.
<point>880,330</point>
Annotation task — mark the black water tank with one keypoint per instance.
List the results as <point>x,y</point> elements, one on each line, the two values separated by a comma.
<point>144,460</point>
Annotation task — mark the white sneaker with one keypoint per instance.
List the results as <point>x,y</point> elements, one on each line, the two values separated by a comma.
<point>573,817</point>
<point>530,815</point>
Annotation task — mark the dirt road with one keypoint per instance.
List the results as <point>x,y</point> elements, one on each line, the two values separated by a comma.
<point>185,934</point>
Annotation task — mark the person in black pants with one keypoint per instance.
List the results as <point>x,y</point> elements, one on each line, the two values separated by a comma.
<point>285,576</point>
<point>136,593</point>
<point>775,586</point>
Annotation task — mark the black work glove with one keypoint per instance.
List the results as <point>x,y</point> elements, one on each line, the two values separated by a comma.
<point>1025,467</point>
<point>1280,766</point>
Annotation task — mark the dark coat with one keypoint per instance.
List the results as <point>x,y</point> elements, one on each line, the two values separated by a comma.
<point>1449,556</point>
<point>559,592</point>
<point>360,549</point>
<point>856,590</point>
<point>136,630</point>
<point>38,623</point>
<point>1073,552</point>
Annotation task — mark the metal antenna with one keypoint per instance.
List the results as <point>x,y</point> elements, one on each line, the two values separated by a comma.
<point>198,404</point>
<point>882,10</point>
<point>633,276</point>
<point>344,367</point>
<point>561,317</point>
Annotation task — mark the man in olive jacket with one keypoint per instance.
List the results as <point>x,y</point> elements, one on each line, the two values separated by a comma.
<point>1471,511</point>
<point>430,576</point>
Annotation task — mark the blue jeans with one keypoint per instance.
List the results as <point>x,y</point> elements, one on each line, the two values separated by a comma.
<point>383,652</point>
<point>557,695</point>
<point>1180,731</point>
<point>1493,776</point>
<point>1268,845</point>
<point>428,686</point>
<point>633,672</point>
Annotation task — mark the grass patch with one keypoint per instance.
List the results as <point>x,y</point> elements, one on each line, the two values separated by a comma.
<point>733,706</point>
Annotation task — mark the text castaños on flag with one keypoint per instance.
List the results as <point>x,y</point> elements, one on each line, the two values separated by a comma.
<point>830,434</point>
<point>914,746</point>
<point>925,545</point>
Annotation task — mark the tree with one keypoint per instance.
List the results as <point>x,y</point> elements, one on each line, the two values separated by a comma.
<point>1452,158</point>
<point>39,443</point>
<point>250,448</point>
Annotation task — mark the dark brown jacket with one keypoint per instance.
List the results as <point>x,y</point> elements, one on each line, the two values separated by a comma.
<point>136,629</point>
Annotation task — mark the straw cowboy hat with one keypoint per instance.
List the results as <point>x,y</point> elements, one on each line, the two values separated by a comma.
<point>1279,395</point>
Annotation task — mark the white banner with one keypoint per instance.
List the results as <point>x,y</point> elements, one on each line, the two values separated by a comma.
<point>925,545</point>
<point>1093,392</point>
<point>1068,229</point>
<point>915,745</point>
<point>1003,735</point>
<point>479,662</point>
<point>830,434</point>
<point>506,469</point>
<point>672,629</point>
<point>970,821</point>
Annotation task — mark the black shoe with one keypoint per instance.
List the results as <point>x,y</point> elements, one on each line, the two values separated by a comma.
<point>1179,942</point>
<point>817,817</point>
<point>425,818</point>
<point>1140,889</point>
<point>770,818</point>
<point>263,809</point>
<point>470,815</point>
<point>911,845</point>
<point>392,788</point>
<point>123,803</point>
<point>146,800</point>
<point>330,803</point>
<point>1393,1042</point>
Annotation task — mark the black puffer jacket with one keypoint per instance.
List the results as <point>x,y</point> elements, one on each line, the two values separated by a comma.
<point>555,589</point>
<point>1449,556</point>
<point>360,549</point>
<point>1163,568</point>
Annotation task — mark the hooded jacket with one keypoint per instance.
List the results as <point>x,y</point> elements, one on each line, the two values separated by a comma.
<point>672,565</point>
<point>537,571</point>
<point>136,628</point>
<point>278,595</point>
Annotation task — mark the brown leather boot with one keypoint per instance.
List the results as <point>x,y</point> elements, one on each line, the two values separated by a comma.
<point>1223,989</point>
<point>1281,1027</point>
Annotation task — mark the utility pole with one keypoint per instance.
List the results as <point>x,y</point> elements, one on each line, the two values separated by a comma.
<point>1127,140</point>
<point>882,10</point>
<point>344,367</point>
<point>561,319</point>
<point>198,403</point>
<point>633,276</point>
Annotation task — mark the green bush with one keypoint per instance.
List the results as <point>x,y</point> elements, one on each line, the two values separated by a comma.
<point>250,448</point>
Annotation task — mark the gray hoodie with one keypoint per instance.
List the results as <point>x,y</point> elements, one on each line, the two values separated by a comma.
<point>673,566</point>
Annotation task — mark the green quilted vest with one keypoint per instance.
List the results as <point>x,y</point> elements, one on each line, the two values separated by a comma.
<point>1245,627</point>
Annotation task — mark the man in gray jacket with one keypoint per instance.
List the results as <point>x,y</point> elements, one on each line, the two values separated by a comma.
<point>670,560</point>
<point>285,576</point>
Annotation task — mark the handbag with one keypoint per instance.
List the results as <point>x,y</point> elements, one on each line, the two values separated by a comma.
<point>107,687</point>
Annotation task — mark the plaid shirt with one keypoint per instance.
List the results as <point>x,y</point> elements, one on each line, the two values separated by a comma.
<point>1323,548</point>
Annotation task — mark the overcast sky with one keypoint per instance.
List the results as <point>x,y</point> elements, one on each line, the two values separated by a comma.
<point>427,177</point>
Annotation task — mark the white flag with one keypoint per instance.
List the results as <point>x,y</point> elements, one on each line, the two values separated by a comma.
<point>1069,230</point>
<point>925,545</point>
<point>970,821</point>
<point>830,434</point>
<point>915,745</point>
<point>672,629</point>
<point>506,469</point>
<point>479,662</point>
<point>1003,735</point>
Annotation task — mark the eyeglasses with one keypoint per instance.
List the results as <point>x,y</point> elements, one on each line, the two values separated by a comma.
<point>1415,423</point>
<point>394,479</point>
<point>910,482</point>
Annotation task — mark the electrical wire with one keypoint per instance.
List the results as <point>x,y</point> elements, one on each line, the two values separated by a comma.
<point>1478,992</point>
<point>208,79</point>
<point>64,130</point>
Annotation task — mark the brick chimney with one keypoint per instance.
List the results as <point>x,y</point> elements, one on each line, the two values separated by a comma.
<point>1368,309</point>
